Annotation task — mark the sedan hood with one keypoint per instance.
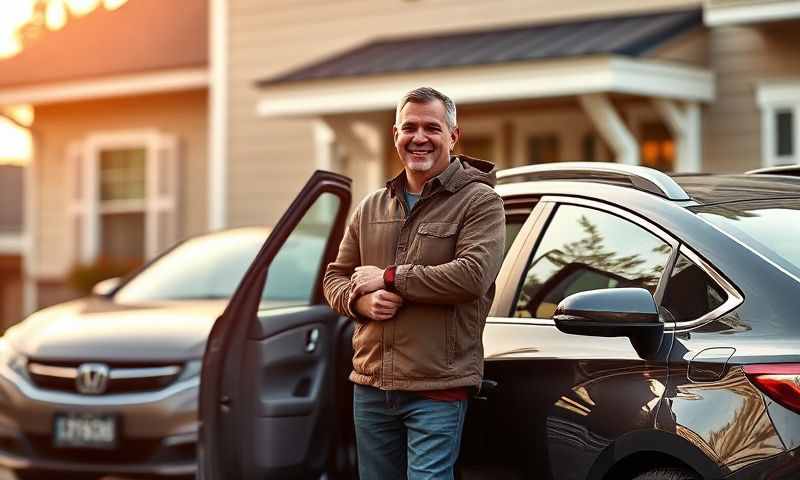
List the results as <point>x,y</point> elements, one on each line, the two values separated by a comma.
<point>101,330</point>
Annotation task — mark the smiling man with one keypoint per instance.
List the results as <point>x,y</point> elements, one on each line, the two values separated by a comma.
<point>416,271</point>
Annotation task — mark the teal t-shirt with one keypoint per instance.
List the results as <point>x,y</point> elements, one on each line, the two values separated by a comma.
<point>411,199</point>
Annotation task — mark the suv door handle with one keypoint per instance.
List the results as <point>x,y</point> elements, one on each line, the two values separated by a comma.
<point>311,340</point>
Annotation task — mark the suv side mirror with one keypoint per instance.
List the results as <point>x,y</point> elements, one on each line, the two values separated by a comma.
<point>106,287</point>
<point>613,312</point>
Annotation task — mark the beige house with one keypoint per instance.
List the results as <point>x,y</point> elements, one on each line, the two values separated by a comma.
<point>192,115</point>
<point>120,138</point>
<point>678,85</point>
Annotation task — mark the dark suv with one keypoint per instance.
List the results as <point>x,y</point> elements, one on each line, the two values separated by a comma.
<point>645,326</point>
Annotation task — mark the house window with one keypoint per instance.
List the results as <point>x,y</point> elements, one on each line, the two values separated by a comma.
<point>657,147</point>
<point>544,149</point>
<point>123,204</point>
<point>784,133</point>
<point>780,129</point>
<point>124,193</point>
<point>476,147</point>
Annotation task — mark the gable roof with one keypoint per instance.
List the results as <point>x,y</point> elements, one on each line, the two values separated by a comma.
<point>629,35</point>
<point>141,36</point>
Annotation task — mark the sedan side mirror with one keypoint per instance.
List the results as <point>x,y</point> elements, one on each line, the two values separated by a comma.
<point>106,287</point>
<point>613,312</point>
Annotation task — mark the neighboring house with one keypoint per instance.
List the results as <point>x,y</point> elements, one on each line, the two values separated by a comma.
<point>11,243</point>
<point>120,137</point>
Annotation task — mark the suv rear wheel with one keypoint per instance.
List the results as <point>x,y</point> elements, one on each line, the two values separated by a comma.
<point>667,474</point>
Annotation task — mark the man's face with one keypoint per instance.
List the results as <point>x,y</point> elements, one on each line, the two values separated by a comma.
<point>421,137</point>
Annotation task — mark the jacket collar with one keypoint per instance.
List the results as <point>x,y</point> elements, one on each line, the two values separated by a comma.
<point>446,179</point>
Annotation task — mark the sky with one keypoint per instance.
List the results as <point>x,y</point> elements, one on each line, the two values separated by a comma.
<point>15,142</point>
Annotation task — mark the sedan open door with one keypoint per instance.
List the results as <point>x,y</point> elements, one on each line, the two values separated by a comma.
<point>266,394</point>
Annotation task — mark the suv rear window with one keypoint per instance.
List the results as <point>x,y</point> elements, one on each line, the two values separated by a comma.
<point>771,227</point>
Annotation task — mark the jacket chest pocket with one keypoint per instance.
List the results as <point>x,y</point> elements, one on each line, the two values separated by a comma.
<point>436,242</point>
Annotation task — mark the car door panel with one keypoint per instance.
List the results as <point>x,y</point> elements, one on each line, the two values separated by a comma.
<point>266,396</point>
<point>562,400</point>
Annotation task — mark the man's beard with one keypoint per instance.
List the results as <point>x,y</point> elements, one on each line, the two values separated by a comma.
<point>421,166</point>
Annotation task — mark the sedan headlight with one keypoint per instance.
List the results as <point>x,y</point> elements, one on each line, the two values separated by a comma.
<point>13,359</point>
<point>192,369</point>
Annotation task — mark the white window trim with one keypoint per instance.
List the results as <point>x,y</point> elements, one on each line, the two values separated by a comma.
<point>773,97</point>
<point>90,206</point>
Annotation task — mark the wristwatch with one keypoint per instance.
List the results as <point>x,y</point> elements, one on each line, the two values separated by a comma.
<point>389,274</point>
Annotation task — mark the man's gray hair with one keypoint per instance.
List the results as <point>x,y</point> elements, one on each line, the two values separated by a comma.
<point>427,95</point>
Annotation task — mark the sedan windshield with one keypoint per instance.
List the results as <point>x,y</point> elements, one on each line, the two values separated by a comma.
<point>207,267</point>
<point>771,227</point>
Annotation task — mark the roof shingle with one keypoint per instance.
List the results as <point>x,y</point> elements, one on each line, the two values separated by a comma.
<point>631,35</point>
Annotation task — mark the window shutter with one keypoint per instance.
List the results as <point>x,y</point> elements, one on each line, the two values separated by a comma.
<point>163,195</point>
<point>79,204</point>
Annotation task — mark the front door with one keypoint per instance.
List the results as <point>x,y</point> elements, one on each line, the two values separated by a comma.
<point>267,389</point>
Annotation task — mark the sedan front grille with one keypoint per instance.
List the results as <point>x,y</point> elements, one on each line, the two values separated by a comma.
<point>64,377</point>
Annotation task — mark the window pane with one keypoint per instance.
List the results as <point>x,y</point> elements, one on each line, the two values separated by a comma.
<point>585,249</point>
<point>122,174</point>
<point>477,147</point>
<point>784,131</point>
<point>295,269</point>
<point>691,293</point>
<point>123,237</point>
<point>657,147</point>
<point>544,149</point>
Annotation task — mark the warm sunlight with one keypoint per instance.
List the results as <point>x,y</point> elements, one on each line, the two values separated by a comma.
<point>15,141</point>
<point>14,14</point>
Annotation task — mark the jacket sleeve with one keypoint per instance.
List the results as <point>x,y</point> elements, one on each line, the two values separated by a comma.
<point>336,283</point>
<point>478,256</point>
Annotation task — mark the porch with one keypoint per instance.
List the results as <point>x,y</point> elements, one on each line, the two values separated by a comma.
<point>532,94</point>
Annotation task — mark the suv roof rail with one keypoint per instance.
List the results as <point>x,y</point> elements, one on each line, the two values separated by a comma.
<point>790,170</point>
<point>641,178</point>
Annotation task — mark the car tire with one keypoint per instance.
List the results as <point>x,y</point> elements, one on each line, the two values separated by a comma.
<point>667,474</point>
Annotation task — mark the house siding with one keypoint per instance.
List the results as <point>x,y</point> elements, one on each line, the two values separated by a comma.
<point>183,114</point>
<point>741,57</point>
<point>269,160</point>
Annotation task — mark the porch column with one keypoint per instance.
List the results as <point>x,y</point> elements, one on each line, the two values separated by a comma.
<point>685,126</point>
<point>363,140</point>
<point>613,130</point>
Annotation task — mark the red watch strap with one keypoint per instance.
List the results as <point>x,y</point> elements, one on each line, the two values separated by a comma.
<point>388,277</point>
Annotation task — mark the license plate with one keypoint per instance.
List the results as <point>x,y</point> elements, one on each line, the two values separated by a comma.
<point>85,430</point>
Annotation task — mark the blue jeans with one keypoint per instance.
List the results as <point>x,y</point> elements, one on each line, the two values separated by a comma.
<point>402,435</point>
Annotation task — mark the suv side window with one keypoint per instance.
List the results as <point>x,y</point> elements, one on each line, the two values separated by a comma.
<point>586,249</point>
<point>690,292</point>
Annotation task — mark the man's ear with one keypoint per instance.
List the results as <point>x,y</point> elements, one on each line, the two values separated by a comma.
<point>455,135</point>
<point>395,131</point>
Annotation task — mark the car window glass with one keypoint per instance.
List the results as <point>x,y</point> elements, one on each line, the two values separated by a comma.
<point>690,292</point>
<point>586,249</point>
<point>295,269</point>
<point>202,268</point>
<point>771,227</point>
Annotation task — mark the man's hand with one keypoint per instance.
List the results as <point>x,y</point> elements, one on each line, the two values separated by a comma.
<point>367,279</point>
<point>379,305</point>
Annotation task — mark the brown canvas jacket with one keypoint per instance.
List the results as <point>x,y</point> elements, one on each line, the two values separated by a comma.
<point>448,250</point>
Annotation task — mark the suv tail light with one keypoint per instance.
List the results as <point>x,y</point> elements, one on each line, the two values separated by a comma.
<point>781,381</point>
